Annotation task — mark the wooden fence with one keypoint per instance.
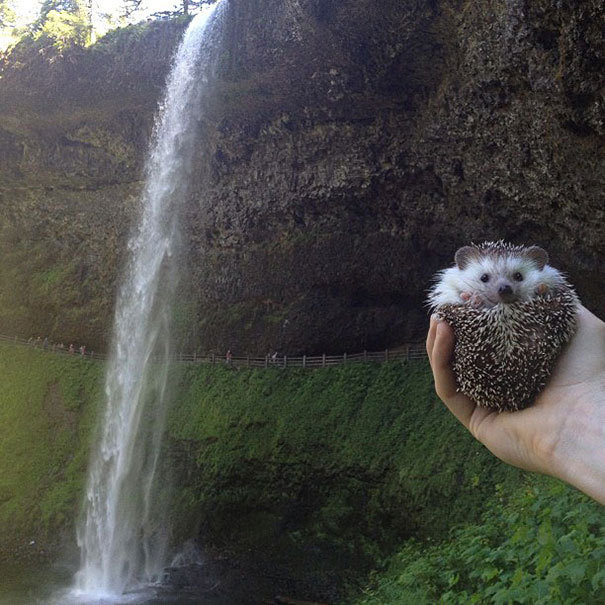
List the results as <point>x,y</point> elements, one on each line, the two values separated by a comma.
<point>403,353</point>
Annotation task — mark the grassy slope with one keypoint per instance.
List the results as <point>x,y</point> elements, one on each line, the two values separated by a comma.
<point>47,408</point>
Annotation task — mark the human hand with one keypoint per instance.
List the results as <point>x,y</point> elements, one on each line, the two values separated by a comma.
<point>563,433</point>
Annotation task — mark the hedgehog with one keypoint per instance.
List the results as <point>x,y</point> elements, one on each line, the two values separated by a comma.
<point>512,314</point>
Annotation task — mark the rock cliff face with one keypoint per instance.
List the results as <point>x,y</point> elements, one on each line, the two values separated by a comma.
<point>349,150</point>
<point>73,134</point>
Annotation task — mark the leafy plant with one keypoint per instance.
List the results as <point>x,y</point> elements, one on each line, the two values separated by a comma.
<point>543,544</point>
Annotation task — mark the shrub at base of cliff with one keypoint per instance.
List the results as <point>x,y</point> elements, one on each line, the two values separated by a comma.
<point>544,544</point>
<point>47,414</point>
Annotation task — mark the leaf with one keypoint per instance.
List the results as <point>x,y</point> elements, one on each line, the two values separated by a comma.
<point>453,580</point>
<point>490,573</point>
<point>598,579</point>
<point>575,571</point>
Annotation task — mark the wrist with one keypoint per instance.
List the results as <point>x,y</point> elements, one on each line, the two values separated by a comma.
<point>579,456</point>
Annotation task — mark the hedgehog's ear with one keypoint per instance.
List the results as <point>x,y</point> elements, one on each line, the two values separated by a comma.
<point>538,255</point>
<point>464,256</point>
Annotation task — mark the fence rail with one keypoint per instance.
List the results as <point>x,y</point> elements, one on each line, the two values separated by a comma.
<point>51,347</point>
<point>403,353</point>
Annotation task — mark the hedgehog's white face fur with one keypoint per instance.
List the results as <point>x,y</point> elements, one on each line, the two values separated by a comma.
<point>495,273</point>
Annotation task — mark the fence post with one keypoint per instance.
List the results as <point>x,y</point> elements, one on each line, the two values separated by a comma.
<point>365,355</point>
<point>407,352</point>
<point>304,361</point>
<point>323,360</point>
<point>285,360</point>
<point>344,358</point>
<point>386,354</point>
<point>266,361</point>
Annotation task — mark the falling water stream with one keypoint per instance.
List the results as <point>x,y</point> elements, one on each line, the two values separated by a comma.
<point>123,534</point>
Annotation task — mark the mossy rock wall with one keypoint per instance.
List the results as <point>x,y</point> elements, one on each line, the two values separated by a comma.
<point>361,455</point>
<point>48,408</point>
<point>338,465</point>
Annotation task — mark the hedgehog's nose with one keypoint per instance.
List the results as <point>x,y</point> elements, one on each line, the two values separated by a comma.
<point>506,293</point>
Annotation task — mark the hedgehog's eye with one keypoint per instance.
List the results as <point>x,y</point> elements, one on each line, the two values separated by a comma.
<point>517,276</point>
<point>485,278</point>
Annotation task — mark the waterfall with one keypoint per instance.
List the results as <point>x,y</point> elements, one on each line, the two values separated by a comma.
<point>123,534</point>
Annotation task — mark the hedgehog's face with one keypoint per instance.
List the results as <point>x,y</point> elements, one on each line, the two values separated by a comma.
<point>491,279</point>
<point>502,280</point>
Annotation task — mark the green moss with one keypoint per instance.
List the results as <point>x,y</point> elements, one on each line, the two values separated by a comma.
<point>343,466</point>
<point>356,457</point>
<point>47,413</point>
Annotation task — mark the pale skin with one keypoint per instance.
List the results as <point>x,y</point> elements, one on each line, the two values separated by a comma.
<point>563,433</point>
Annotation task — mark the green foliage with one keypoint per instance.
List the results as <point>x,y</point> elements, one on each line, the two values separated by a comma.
<point>120,40</point>
<point>543,544</point>
<point>7,14</point>
<point>69,6</point>
<point>351,463</point>
<point>61,24</point>
<point>357,457</point>
<point>64,29</point>
<point>47,416</point>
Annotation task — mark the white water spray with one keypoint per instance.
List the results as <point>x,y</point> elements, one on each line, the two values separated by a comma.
<point>123,536</point>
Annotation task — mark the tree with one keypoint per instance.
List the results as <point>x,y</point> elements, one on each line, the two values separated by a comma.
<point>185,7</point>
<point>65,29</point>
<point>7,14</point>
<point>129,7</point>
<point>64,22</point>
<point>60,6</point>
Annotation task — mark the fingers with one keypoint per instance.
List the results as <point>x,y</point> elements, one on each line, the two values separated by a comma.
<point>440,345</point>
<point>441,355</point>
<point>584,356</point>
<point>430,339</point>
